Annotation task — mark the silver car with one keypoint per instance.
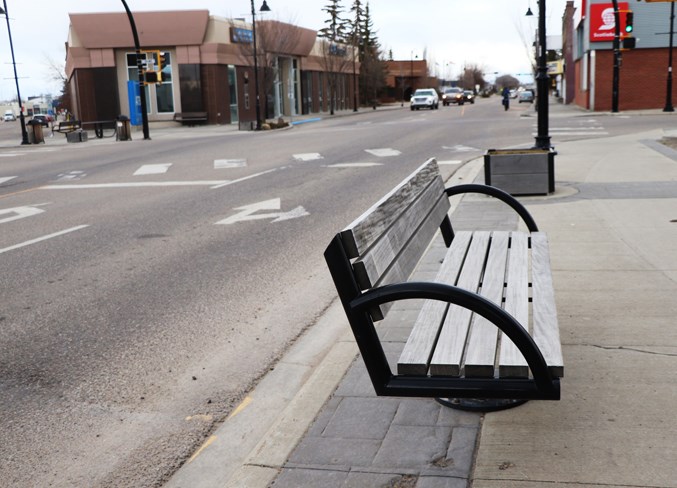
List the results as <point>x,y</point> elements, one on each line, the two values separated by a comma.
<point>425,98</point>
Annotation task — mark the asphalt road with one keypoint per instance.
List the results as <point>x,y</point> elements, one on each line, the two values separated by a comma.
<point>145,286</point>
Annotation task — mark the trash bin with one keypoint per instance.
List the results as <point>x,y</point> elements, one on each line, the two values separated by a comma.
<point>123,129</point>
<point>35,134</point>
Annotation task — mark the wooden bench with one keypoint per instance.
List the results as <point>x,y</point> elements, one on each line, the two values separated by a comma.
<point>487,331</point>
<point>66,126</point>
<point>190,118</point>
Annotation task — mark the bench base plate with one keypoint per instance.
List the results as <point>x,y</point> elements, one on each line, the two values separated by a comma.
<point>480,404</point>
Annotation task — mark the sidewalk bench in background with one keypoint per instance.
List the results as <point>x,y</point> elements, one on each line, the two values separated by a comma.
<point>488,281</point>
<point>190,118</point>
<point>66,126</point>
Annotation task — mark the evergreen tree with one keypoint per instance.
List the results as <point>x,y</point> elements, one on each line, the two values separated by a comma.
<point>372,67</point>
<point>335,35</point>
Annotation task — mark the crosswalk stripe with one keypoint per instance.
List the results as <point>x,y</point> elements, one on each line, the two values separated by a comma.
<point>383,152</point>
<point>353,165</point>
<point>229,163</point>
<point>308,156</point>
<point>152,169</point>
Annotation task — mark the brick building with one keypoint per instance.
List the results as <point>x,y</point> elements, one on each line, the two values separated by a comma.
<point>644,69</point>
<point>206,64</point>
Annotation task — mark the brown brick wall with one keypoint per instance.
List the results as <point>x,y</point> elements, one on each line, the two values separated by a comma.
<point>642,80</point>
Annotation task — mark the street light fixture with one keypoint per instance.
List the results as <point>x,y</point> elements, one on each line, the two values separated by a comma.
<point>542,79</point>
<point>140,68</point>
<point>24,134</point>
<point>264,8</point>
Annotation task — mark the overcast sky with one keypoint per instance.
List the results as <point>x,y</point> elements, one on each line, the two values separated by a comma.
<point>491,33</point>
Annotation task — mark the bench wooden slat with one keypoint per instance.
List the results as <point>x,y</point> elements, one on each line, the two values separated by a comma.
<point>481,349</point>
<point>511,361</point>
<point>368,227</point>
<point>446,360</point>
<point>417,351</point>
<point>409,257</point>
<point>371,266</point>
<point>546,328</point>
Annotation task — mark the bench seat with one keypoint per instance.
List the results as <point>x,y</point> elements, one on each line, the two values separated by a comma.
<point>487,328</point>
<point>190,117</point>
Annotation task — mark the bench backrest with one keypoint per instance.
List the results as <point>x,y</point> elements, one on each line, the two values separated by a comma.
<point>388,240</point>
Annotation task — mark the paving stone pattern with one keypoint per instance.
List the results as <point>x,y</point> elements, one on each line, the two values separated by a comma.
<point>361,440</point>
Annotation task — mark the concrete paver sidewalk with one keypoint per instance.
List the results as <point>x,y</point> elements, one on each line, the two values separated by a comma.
<point>612,225</point>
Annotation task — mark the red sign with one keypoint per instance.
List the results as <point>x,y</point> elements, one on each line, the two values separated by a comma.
<point>602,21</point>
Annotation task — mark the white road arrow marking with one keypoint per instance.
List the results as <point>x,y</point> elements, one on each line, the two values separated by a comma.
<point>248,212</point>
<point>4,179</point>
<point>384,152</point>
<point>152,169</point>
<point>19,213</point>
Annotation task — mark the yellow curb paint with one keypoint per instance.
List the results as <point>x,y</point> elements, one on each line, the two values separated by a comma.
<point>240,407</point>
<point>202,448</point>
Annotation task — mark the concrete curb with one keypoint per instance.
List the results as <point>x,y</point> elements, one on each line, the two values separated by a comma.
<point>255,441</point>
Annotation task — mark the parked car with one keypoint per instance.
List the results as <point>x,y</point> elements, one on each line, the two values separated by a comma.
<point>9,116</point>
<point>425,98</point>
<point>526,96</point>
<point>452,95</point>
<point>44,119</point>
<point>469,96</point>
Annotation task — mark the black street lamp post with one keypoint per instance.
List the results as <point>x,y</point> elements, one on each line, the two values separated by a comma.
<point>264,8</point>
<point>542,81</point>
<point>139,67</point>
<point>24,134</point>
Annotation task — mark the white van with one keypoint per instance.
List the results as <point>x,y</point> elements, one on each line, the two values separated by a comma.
<point>9,115</point>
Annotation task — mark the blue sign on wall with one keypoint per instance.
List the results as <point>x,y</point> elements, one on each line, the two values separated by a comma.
<point>134,97</point>
<point>244,36</point>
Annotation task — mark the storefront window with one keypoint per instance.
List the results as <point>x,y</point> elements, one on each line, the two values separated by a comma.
<point>163,91</point>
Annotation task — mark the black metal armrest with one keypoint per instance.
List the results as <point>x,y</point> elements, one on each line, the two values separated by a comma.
<point>496,193</point>
<point>471,301</point>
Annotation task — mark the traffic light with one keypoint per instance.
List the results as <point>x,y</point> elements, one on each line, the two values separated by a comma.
<point>629,22</point>
<point>152,77</point>
<point>163,60</point>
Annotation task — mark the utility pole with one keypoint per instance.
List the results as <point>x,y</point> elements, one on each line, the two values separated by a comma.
<point>668,96</point>
<point>617,57</point>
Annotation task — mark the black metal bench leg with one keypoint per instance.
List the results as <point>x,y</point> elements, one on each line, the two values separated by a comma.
<point>480,404</point>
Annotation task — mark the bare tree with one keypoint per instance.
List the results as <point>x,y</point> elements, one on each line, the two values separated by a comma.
<point>272,38</point>
<point>507,80</point>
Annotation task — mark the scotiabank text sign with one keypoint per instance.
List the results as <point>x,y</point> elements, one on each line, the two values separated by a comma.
<point>602,21</point>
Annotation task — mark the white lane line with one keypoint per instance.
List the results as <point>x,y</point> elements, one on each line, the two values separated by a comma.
<point>152,169</point>
<point>229,163</point>
<point>353,165</point>
<point>96,186</point>
<point>308,156</point>
<point>560,133</point>
<point>43,238</point>
<point>227,183</point>
<point>384,152</point>
<point>10,155</point>
<point>4,179</point>
<point>453,161</point>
